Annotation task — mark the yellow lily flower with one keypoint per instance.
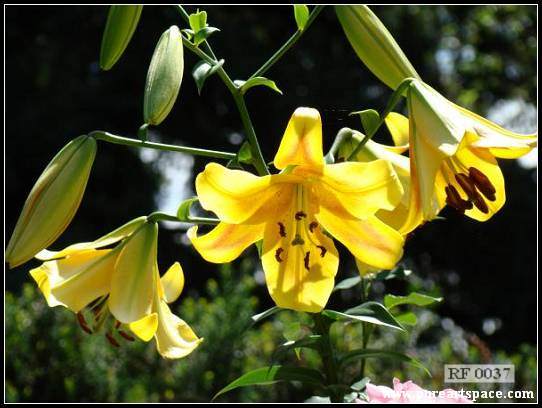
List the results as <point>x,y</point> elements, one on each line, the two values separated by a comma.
<point>123,282</point>
<point>398,126</point>
<point>295,213</point>
<point>453,158</point>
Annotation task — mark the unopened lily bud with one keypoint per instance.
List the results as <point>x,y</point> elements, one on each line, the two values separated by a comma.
<point>53,201</point>
<point>164,77</point>
<point>374,45</point>
<point>121,24</point>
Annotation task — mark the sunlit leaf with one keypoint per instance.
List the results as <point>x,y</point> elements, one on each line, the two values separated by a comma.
<point>347,283</point>
<point>244,86</point>
<point>371,312</point>
<point>301,14</point>
<point>372,353</point>
<point>413,298</point>
<point>408,319</point>
<point>272,375</point>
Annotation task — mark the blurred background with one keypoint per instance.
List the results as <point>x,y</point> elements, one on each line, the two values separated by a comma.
<point>482,57</point>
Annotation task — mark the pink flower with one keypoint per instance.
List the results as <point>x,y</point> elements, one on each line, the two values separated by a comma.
<point>410,393</point>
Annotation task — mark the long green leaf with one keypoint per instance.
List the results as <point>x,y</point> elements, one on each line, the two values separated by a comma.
<point>372,353</point>
<point>387,321</point>
<point>272,375</point>
<point>413,298</point>
<point>371,312</point>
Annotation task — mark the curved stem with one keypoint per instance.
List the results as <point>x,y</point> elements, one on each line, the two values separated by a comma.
<point>160,216</point>
<point>288,44</point>
<point>108,137</point>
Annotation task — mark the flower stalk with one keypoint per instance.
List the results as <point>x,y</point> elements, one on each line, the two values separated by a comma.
<point>111,138</point>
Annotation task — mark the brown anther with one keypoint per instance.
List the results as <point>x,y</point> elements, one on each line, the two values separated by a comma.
<point>453,199</point>
<point>282,230</point>
<point>82,323</point>
<point>126,335</point>
<point>322,249</point>
<point>481,204</point>
<point>312,226</point>
<point>483,183</point>
<point>117,324</point>
<point>112,340</point>
<point>306,260</point>
<point>340,159</point>
<point>467,185</point>
<point>97,309</point>
<point>298,240</point>
<point>299,215</point>
<point>277,254</point>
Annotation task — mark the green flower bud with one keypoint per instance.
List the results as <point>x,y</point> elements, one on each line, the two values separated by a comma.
<point>164,77</point>
<point>53,201</point>
<point>121,24</point>
<point>374,45</point>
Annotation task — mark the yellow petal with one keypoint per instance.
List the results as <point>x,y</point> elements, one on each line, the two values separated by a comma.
<point>437,122</point>
<point>172,283</point>
<point>174,338</point>
<point>414,216</point>
<point>294,279</point>
<point>369,240</point>
<point>77,280</point>
<point>395,218</point>
<point>301,144</point>
<point>427,161</point>
<point>502,143</point>
<point>225,242</point>
<point>133,284</point>
<point>361,188</point>
<point>398,126</point>
<point>146,327</point>
<point>106,240</point>
<point>237,196</point>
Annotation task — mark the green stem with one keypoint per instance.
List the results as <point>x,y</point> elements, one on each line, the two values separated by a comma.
<point>328,357</point>
<point>366,327</point>
<point>393,101</point>
<point>108,137</point>
<point>259,161</point>
<point>288,44</point>
<point>160,216</point>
